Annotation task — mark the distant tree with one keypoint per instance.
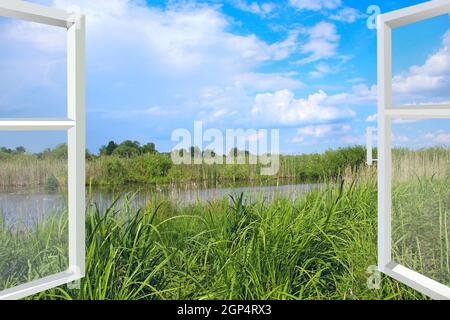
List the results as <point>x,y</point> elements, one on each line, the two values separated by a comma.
<point>108,149</point>
<point>20,150</point>
<point>128,149</point>
<point>6,150</point>
<point>149,148</point>
<point>89,155</point>
<point>60,151</point>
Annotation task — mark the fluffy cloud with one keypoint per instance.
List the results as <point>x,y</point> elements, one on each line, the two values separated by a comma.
<point>359,95</point>
<point>267,81</point>
<point>322,42</point>
<point>372,118</point>
<point>346,14</point>
<point>441,138</point>
<point>426,83</point>
<point>283,108</point>
<point>315,5</point>
<point>342,13</point>
<point>182,36</point>
<point>321,70</point>
<point>168,56</point>
<point>324,130</point>
<point>325,133</point>
<point>260,9</point>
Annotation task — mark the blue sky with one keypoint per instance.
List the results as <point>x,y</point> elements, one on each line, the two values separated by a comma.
<point>305,67</point>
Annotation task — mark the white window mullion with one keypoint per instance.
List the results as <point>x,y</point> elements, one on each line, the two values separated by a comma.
<point>23,10</point>
<point>76,145</point>
<point>36,124</point>
<point>384,57</point>
<point>443,112</point>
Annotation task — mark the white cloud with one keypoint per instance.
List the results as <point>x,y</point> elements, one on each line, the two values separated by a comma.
<point>321,70</point>
<point>183,56</point>
<point>443,138</point>
<point>322,42</point>
<point>326,133</point>
<point>401,138</point>
<point>46,38</point>
<point>315,5</point>
<point>283,108</point>
<point>321,131</point>
<point>440,138</point>
<point>426,83</point>
<point>346,14</point>
<point>267,81</point>
<point>183,36</point>
<point>260,9</point>
<point>359,95</point>
<point>357,80</point>
<point>342,13</point>
<point>372,118</point>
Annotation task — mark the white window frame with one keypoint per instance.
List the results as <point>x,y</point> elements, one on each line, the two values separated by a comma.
<point>386,112</point>
<point>74,124</point>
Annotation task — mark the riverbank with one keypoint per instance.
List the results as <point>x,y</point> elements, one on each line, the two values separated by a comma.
<point>317,247</point>
<point>50,169</point>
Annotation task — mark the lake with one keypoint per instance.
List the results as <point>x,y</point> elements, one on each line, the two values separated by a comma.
<point>29,206</point>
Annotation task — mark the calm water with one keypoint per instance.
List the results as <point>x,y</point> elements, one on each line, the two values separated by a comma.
<point>29,206</point>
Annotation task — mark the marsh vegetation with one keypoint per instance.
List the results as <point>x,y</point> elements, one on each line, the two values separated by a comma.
<point>317,246</point>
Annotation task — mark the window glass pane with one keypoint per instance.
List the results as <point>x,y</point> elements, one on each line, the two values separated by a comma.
<point>33,206</point>
<point>421,197</point>
<point>421,62</point>
<point>33,72</point>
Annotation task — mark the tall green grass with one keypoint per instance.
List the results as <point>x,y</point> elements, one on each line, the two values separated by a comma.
<point>32,251</point>
<point>421,212</point>
<point>317,247</point>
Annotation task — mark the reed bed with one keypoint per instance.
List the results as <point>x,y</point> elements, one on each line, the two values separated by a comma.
<point>29,170</point>
<point>20,170</point>
<point>317,247</point>
<point>421,212</point>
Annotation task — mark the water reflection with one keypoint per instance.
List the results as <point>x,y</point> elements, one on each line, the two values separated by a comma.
<point>30,206</point>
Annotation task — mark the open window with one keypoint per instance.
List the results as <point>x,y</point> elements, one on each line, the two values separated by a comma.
<point>413,185</point>
<point>70,130</point>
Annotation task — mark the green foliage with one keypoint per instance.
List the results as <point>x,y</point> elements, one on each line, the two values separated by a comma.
<point>127,149</point>
<point>128,162</point>
<point>52,183</point>
<point>59,152</point>
<point>149,167</point>
<point>116,172</point>
<point>108,149</point>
